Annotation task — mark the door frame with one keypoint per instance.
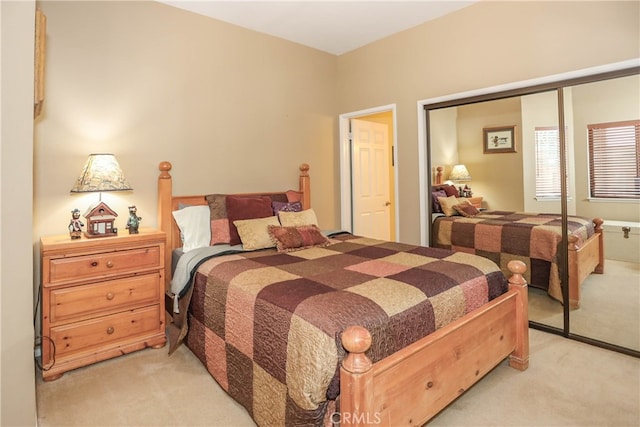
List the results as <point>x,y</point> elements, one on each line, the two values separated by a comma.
<point>346,212</point>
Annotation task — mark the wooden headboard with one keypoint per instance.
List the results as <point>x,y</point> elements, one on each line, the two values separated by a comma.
<point>168,202</point>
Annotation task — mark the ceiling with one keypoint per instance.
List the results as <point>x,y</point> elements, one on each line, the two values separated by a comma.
<point>335,27</point>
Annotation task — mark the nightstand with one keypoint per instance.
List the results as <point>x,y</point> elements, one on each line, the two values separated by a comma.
<point>101,298</point>
<point>476,201</point>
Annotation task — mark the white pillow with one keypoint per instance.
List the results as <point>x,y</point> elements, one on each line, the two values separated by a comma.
<point>195,224</point>
<point>295,219</point>
<point>254,233</point>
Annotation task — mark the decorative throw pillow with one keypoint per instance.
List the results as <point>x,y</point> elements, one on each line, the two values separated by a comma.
<point>435,206</point>
<point>294,196</point>
<point>193,222</point>
<point>450,190</point>
<point>218,217</point>
<point>254,233</point>
<point>245,207</point>
<point>466,209</point>
<point>288,239</point>
<point>286,207</point>
<point>447,204</point>
<point>293,219</point>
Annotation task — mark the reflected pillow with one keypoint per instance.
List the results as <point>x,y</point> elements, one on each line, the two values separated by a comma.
<point>466,209</point>
<point>447,204</point>
<point>435,206</point>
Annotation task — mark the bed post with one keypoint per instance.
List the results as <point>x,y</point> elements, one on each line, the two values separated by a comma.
<point>597,223</point>
<point>439,175</point>
<point>165,193</point>
<point>305,186</point>
<point>519,359</point>
<point>356,379</point>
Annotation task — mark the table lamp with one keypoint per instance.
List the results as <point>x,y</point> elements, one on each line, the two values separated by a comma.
<point>461,173</point>
<point>101,173</point>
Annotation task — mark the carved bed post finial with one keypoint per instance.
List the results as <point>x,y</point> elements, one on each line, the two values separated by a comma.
<point>356,340</point>
<point>356,378</point>
<point>164,168</point>
<point>439,175</point>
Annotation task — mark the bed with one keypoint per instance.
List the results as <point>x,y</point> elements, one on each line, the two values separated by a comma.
<point>307,337</point>
<point>533,238</point>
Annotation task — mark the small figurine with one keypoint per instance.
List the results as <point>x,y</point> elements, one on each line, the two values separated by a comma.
<point>134,220</point>
<point>467,191</point>
<point>75,225</point>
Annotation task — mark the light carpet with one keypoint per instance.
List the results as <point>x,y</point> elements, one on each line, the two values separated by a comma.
<point>567,384</point>
<point>609,306</point>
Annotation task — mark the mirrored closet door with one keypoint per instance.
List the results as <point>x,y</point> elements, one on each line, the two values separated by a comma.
<point>603,145</point>
<point>600,308</point>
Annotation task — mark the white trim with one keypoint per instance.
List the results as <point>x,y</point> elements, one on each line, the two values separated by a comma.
<point>345,164</point>
<point>422,137</point>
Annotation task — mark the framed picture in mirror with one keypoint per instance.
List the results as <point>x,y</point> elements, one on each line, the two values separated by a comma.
<point>499,140</point>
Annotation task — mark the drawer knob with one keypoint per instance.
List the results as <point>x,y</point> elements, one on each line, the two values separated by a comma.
<point>110,296</point>
<point>109,264</point>
<point>110,330</point>
<point>94,264</point>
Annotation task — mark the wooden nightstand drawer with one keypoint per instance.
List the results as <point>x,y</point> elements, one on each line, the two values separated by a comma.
<point>78,301</point>
<point>101,331</point>
<point>101,298</point>
<point>102,264</point>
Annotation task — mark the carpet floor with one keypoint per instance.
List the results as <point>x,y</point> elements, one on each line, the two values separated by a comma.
<point>609,306</point>
<point>567,384</point>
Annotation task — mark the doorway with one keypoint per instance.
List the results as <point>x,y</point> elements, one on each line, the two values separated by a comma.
<point>351,177</point>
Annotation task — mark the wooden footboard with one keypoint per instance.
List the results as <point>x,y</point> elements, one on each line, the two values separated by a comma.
<point>414,384</point>
<point>583,260</point>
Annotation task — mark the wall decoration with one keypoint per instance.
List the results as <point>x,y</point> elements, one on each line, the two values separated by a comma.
<point>499,140</point>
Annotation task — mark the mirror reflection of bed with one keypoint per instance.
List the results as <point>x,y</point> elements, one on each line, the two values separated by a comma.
<point>609,303</point>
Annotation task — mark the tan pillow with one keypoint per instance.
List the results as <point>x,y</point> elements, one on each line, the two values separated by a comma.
<point>254,233</point>
<point>294,219</point>
<point>447,204</point>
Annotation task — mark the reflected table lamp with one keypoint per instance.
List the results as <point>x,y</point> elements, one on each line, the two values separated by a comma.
<point>101,173</point>
<point>460,173</point>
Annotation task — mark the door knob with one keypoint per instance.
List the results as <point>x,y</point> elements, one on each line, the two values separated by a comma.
<point>387,204</point>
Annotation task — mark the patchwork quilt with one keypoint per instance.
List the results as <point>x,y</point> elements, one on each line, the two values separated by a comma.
<point>501,236</point>
<point>268,325</point>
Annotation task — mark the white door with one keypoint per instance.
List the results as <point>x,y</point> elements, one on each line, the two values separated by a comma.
<point>370,179</point>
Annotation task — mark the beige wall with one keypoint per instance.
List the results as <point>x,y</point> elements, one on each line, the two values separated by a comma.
<point>232,109</point>
<point>484,45</point>
<point>151,83</point>
<point>17,389</point>
<point>498,178</point>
